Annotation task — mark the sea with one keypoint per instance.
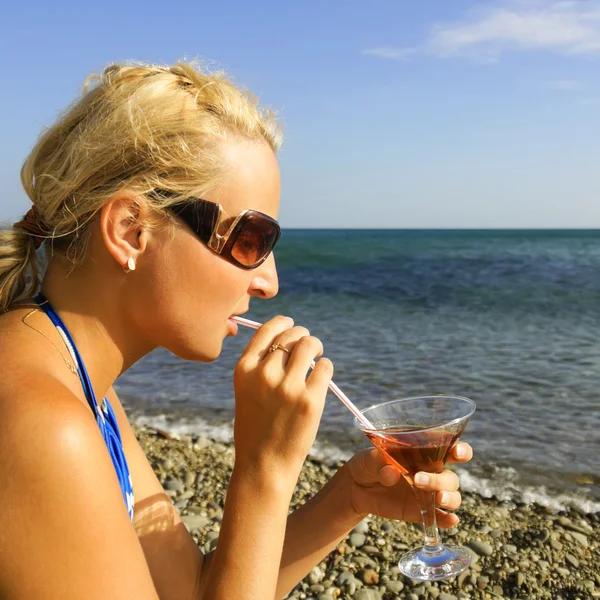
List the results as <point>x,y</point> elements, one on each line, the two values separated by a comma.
<point>508,318</point>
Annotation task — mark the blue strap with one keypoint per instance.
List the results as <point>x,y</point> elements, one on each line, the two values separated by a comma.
<point>105,416</point>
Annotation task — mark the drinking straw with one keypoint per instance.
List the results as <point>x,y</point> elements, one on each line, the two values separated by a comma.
<point>332,386</point>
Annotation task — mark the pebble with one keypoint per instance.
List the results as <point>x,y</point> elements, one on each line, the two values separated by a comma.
<point>344,578</point>
<point>201,443</point>
<point>482,582</point>
<point>543,535</point>
<point>357,540</point>
<point>572,560</point>
<point>394,587</point>
<point>368,595</point>
<point>582,539</point>
<point>463,576</point>
<point>556,545</point>
<point>174,485</point>
<point>316,575</point>
<point>481,548</point>
<point>362,527</point>
<point>444,596</point>
<point>167,464</point>
<point>194,522</point>
<point>568,524</point>
<point>362,561</point>
<point>370,577</point>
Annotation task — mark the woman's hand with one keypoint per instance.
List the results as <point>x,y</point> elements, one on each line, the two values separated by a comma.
<point>378,487</point>
<point>277,407</point>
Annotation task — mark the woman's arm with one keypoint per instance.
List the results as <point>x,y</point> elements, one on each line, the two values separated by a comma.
<point>315,529</point>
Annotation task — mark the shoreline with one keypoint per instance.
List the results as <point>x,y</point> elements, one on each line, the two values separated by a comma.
<point>520,551</point>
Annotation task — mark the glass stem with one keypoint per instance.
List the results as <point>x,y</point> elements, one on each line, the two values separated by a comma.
<point>433,543</point>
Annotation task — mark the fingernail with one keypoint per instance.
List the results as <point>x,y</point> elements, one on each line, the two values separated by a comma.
<point>421,479</point>
<point>461,451</point>
<point>445,499</point>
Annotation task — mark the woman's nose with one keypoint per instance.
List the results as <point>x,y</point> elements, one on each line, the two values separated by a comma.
<point>265,283</point>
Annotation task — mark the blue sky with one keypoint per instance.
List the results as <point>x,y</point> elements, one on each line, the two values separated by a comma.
<point>396,113</point>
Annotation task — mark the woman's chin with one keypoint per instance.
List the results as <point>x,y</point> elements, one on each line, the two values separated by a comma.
<point>194,353</point>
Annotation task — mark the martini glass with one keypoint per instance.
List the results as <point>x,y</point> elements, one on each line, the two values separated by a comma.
<point>417,434</point>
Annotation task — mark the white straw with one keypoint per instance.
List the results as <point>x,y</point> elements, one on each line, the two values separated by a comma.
<point>332,386</point>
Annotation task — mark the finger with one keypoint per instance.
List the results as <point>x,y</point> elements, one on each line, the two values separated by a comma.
<point>445,520</point>
<point>264,337</point>
<point>389,475</point>
<point>305,350</point>
<point>319,379</point>
<point>366,466</point>
<point>461,452</point>
<point>433,482</point>
<point>279,358</point>
<point>448,500</point>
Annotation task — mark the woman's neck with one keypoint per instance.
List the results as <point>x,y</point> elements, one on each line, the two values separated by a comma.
<point>92,306</point>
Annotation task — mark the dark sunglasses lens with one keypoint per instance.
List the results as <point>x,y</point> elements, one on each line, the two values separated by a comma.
<point>255,240</point>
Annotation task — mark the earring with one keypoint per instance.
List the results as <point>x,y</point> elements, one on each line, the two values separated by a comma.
<point>130,265</point>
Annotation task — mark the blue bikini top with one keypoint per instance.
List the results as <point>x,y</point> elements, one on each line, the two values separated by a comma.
<point>105,417</point>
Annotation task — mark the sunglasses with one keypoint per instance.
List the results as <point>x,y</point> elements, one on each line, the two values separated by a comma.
<point>246,241</point>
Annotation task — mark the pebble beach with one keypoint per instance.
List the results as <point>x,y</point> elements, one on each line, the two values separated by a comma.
<point>520,551</point>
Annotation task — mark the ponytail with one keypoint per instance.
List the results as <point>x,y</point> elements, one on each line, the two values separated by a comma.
<point>19,266</point>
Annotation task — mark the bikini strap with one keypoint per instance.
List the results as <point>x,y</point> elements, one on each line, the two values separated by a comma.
<point>88,390</point>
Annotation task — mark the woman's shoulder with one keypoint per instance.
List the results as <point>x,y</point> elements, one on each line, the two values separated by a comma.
<point>39,412</point>
<point>31,358</point>
<point>43,423</point>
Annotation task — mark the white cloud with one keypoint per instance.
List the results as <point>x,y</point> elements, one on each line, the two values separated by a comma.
<point>568,27</point>
<point>392,53</point>
<point>565,85</point>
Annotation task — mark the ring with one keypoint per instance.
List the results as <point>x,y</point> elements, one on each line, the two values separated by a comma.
<point>278,347</point>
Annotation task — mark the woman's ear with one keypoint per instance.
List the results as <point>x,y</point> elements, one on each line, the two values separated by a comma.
<point>122,227</point>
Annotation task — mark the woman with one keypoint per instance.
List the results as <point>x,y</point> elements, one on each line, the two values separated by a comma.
<point>156,196</point>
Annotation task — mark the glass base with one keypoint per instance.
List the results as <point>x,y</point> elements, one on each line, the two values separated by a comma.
<point>427,564</point>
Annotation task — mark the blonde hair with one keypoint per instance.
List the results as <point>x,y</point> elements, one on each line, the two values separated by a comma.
<point>140,127</point>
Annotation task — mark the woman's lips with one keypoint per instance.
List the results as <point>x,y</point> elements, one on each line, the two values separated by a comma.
<point>233,326</point>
